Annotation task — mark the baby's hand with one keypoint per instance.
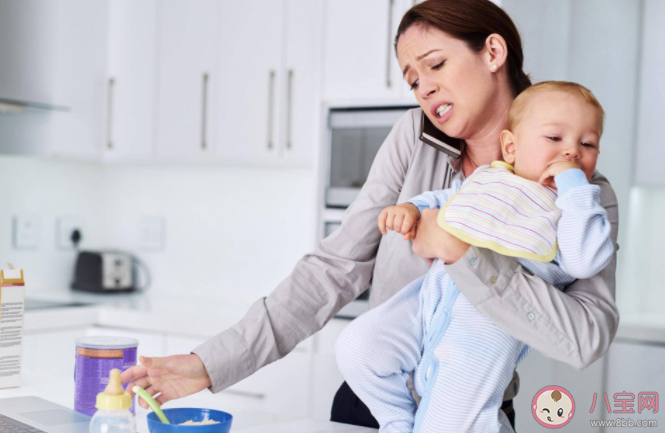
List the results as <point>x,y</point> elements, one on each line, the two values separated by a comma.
<point>547,178</point>
<point>401,218</point>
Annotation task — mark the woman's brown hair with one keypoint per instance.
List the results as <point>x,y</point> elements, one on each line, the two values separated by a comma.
<point>472,21</point>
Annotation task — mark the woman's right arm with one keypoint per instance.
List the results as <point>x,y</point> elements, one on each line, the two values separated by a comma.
<point>320,284</point>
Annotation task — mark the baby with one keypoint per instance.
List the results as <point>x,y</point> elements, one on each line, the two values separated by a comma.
<point>537,206</point>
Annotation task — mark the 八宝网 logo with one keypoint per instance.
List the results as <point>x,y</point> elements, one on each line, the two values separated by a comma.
<point>553,407</point>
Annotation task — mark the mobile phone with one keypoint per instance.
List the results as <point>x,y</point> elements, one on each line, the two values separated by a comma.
<point>437,139</point>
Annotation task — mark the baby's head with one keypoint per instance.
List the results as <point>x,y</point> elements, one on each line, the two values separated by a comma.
<point>551,122</point>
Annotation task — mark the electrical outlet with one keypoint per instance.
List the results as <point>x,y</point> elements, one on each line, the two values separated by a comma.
<point>66,227</point>
<point>152,233</point>
<point>26,232</point>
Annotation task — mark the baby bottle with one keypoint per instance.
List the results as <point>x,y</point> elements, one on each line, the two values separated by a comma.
<point>113,415</point>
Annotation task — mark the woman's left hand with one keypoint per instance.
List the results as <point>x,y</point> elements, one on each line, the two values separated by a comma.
<point>432,242</point>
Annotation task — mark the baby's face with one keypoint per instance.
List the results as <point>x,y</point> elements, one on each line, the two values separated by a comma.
<point>557,127</point>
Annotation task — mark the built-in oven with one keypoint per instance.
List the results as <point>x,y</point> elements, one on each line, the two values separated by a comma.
<point>354,136</point>
<point>352,140</point>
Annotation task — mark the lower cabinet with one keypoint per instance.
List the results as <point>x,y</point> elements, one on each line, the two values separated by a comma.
<point>150,343</point>
<point>633,368</point>
<point>304,383</point>
<point>282,387</point>
<point>50,354</point>
<point>326,378</point>
<point>537,372</point>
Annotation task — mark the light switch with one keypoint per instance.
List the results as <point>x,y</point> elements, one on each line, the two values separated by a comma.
<point>26,232</point>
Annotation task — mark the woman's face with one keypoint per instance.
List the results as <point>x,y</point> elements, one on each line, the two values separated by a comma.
<point>453,85</point>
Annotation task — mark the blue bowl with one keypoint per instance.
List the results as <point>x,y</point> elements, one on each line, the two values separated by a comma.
<point>177,416</point>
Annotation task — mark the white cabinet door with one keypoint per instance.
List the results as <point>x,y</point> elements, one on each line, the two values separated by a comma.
<point>188,46</point>
<point>326,378</point>
<point>130,83</point>
<point>301,78</point>
<point>359,60</point>
<point>281,387</point>
<point>53,53</point>
<point>633,368</point>
<point>28,51</point>
<point>250,70</point>
<point>50,354</point>
<point>150,344</point>
<point>77,73</point>
<point>537,372</point>
<point>179,345</point>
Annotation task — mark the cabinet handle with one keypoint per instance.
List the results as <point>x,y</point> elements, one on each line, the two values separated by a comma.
<point>255,395</point>
<point>109,113</point>
<point>204,111</point>
<point>390,33</point>
<point>271,97</point>
<point>289,103</point>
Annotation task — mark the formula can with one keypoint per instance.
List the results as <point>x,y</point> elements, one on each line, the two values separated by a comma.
<point>95,358</point>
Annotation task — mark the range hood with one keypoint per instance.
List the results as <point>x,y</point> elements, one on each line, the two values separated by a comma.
<point>13,106</point>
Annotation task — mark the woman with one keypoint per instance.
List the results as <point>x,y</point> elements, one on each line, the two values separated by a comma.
<point>467,55</point>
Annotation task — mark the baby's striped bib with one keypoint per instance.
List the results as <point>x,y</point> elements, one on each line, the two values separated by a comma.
<point>504,212</point>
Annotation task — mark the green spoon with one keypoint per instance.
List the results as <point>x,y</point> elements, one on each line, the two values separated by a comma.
<point>152,403</point>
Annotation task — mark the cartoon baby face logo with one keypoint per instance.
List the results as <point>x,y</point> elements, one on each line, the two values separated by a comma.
<point>553,407</point>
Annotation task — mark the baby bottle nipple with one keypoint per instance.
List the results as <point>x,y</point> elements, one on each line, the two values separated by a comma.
<point>113,415</point>
<point>114,396</point>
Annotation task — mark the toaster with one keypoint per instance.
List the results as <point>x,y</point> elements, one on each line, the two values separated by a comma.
<point>105,272</point>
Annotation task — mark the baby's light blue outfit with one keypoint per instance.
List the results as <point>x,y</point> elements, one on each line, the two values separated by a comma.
<point>462,361</point>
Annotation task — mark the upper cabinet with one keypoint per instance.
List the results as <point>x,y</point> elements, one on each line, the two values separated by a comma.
<point>165,80</point>
<point>187,77</point>
<point>129,83</point>
<point>360,61</point>
<point>301,98</point>
<point>251,72</point>
<point>51,53</point>
<point>268,93</point>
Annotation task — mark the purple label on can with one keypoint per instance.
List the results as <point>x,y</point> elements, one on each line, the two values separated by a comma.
<point>93,367</point>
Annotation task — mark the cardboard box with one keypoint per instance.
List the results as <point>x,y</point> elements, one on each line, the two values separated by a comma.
<point>12,307</point>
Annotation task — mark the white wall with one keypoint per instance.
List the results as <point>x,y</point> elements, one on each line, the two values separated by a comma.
<point>47,189</point>
<point>581,42</point>
<point>232,232</point>
<point>597,44</point>
<point>651,130</point>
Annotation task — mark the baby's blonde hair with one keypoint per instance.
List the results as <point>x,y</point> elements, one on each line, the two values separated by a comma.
<point>519,105</point>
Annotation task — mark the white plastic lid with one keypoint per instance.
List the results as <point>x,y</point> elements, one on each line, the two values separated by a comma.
<point>103,342</point>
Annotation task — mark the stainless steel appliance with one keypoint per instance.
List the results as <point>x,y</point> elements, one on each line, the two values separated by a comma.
<point>354,136</point>
<point>352,140</point>
<point>108,271</point>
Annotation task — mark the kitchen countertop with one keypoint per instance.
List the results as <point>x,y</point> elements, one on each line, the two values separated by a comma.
<point>245,421</point>
<point>163,313</point>
<point>171,314</point>
<point>205,317</point>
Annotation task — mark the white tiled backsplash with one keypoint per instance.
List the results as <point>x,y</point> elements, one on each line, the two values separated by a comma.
<point>231,232</point>
<point>47,190</point>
